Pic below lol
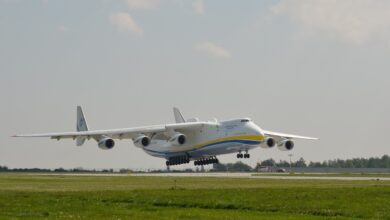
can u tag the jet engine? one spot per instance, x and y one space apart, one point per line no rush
142 141
268 143
286 145
106 143
178 139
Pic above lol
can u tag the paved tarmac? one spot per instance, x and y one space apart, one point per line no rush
263 176
282 176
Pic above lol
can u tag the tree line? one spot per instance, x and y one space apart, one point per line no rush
372 162
58 170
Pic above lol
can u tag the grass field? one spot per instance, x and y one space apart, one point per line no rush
129 197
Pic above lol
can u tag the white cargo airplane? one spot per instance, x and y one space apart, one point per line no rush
184 140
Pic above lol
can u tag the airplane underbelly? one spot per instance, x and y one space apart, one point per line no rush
223 148
217 148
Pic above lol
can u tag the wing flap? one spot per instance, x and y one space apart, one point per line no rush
113 133
123 133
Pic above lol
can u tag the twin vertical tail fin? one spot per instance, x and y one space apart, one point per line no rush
81 125
178 116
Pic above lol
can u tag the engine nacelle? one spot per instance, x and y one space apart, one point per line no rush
268 143
106 143
142 141
178 139
286 145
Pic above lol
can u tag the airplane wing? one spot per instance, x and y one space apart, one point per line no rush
279 136
123 133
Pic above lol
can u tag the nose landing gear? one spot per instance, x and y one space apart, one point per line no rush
246 155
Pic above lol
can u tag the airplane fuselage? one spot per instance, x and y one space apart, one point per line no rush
214 138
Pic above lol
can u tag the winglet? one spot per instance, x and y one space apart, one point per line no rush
178 116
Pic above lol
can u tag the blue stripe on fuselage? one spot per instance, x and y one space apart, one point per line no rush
249 142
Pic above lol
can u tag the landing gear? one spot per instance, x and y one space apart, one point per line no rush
177 160
239 155
246 155
205 161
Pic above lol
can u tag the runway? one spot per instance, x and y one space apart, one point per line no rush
281 176
263 176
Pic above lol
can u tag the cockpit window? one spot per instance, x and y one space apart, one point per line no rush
245 120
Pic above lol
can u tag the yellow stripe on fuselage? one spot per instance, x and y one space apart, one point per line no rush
243 137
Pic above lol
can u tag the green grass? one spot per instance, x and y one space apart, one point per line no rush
129 197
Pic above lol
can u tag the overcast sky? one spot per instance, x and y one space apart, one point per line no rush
309 67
